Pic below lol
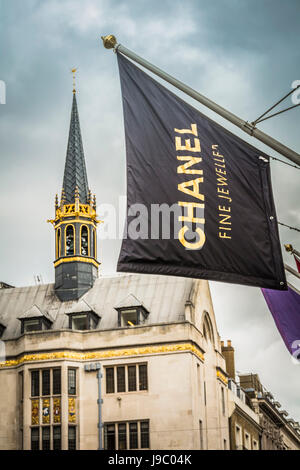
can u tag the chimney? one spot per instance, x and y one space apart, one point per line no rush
228 353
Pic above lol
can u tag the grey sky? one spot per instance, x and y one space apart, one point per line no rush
242 54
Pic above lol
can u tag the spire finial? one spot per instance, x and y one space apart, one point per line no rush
74 70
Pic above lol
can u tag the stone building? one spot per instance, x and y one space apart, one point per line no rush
255 419
278 432
164 382
244 426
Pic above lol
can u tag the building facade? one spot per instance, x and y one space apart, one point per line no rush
278 432
255 419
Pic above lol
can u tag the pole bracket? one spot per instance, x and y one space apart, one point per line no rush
249 127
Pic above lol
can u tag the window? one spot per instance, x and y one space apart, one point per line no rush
208 329
247 441
198 376
201 434
58 240
72 381
143 377
46 374
121 379
46 382
56 382
46 409
46 438
32 325
131 372
94 243
131 316
80 322
122 436
84 241
83 321
35 383
35 438
131 378
225 444
223 400
56 438
238 441
132 435
21 386
110 437
145 435
72 438
255 445
70 240
110 383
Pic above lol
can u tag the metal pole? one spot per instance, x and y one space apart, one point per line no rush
291 270
99 376
110 42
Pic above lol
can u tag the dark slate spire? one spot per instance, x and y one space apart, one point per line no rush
75 170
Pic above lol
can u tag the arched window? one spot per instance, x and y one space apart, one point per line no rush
70 242
207 329
84 241
94 243
58 240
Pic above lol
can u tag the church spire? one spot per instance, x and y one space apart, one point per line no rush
75 169
75 223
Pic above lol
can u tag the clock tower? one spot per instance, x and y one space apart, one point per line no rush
75 223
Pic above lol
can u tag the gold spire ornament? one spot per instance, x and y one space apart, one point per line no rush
74 77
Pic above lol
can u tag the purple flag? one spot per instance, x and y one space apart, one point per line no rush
285 309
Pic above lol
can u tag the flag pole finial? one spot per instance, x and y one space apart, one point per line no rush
109 41
288 247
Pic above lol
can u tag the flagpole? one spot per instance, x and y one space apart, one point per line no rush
291 270
110 42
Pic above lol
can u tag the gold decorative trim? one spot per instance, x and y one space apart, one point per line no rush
76 220
69 259
74 210
109 354
222 377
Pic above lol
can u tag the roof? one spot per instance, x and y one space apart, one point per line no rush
130 301
75 170
34 312
80 307
164 296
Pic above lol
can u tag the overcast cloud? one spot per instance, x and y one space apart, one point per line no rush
243 54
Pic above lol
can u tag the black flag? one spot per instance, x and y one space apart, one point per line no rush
199 199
